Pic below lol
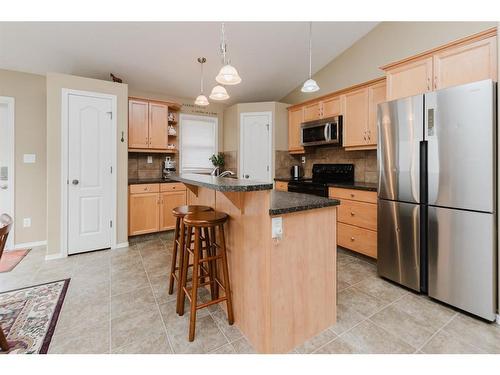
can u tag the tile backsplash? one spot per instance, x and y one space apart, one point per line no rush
138 167
365 162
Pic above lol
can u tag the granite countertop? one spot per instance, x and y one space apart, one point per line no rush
224 184
283 202
356 185
138 181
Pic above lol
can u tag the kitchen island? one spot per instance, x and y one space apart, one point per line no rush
284 289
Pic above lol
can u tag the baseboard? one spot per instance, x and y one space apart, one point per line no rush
29 244
55 256
121 245
498 319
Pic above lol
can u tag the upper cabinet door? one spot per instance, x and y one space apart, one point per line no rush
466 63
312 112
295 118
356 118
158 125
408 79
376 95
138 120
331 107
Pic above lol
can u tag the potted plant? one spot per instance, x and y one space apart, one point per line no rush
218 162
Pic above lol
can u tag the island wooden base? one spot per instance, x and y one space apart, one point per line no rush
284 291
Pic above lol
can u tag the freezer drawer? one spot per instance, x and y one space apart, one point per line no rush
398 242
400 131
462 261
460 132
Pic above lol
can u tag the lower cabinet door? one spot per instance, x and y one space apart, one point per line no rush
168 201
143 213
357 239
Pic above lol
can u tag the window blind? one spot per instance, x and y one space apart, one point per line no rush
198 143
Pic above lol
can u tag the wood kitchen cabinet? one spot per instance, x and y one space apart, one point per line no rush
281 185
295 118
312 112
470 59
355 122
331 107
376 95
150 206
138 123
158 125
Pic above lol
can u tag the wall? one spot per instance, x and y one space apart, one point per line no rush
232 129
387 42
29 92
138 167
55 83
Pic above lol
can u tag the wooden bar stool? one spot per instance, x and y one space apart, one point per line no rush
179 241
205 226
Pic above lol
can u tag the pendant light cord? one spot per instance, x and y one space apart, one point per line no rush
310 50
201 80
223 48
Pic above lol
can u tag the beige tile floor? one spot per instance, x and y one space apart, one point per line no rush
117 302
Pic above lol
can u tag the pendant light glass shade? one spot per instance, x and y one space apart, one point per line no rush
310 85
201 100
228 75
219 93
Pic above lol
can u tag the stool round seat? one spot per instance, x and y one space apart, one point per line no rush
184 210
205 219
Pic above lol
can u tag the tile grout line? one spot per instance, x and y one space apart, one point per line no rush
435 333
156 300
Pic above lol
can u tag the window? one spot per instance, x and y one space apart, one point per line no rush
198 143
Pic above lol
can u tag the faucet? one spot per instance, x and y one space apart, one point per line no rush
215 171
227 173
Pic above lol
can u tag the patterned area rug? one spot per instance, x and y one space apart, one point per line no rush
11 258
28 316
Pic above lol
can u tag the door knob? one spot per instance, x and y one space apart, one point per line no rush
247 176
75 182
4 187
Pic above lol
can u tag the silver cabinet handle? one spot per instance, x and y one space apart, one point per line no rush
4 187
75 182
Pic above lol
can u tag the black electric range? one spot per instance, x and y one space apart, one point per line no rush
322 175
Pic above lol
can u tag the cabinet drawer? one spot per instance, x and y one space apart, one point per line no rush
357 239
281 185
172 186
144 188
353 194
361 214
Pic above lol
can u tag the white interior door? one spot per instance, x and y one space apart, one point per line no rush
7 162
256 146
89 173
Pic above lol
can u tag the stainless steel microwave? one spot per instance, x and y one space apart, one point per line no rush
322 132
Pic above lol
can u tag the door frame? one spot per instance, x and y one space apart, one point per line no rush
270 143
11 103
65 93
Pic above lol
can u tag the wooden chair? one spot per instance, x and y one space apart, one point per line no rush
5 225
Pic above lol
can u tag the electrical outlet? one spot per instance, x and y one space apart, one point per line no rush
303 159
27 222
150 160
277 227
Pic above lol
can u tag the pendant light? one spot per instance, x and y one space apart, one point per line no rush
201 99
228 75
219 93
310 85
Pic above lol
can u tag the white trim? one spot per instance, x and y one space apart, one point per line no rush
11 104
270 143
56 256
497 321
30 244
185 116
64 164
120 245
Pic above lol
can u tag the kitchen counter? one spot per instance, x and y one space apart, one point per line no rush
138 181
283 202
224 184
356 185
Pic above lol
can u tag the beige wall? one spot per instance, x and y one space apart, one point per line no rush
213 109
388 42
232 126
55 83
29 93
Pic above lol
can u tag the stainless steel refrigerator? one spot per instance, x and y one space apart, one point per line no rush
437 195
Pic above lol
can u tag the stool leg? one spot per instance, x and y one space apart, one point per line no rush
225 272
174 258
194 290
185 263
209 253
213 240
182 244
4 345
